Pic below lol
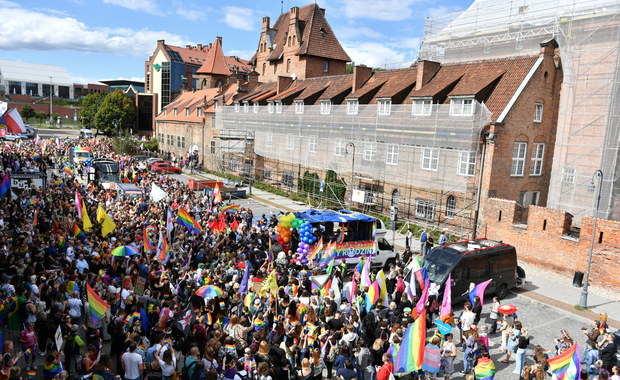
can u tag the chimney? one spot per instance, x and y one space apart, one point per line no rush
199 46
322 11
360 75
265 24
283 83
424 73
161 42
219 39
294 15
252 81
548 47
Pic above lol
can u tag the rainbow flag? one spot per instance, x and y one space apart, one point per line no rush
230 348
259 323
411 352
222 304
67 170
566 365
231 209
77 233
31 373
372 295
217 194
317 248
35 219
162 249
186 219
148 247
6 184
485 369
382 287
249 298
96 305
32 201
51 369
209 319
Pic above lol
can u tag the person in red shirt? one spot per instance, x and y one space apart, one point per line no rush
386 369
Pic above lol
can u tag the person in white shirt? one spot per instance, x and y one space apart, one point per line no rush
167 362
81 263
132 363
467 319
75 307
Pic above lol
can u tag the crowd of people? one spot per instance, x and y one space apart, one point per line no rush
271 321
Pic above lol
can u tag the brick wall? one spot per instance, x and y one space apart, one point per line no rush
543 241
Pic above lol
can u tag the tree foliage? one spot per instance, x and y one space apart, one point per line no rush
335 187
310 183
40 116
124 144
117 112
27 112
152 145
90 106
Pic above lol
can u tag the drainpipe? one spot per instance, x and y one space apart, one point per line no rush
484 136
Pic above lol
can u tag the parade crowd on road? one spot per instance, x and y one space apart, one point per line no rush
215 295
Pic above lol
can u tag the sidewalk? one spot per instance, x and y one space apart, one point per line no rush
543 286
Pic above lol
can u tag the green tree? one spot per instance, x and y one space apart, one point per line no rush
90 106
117 112
124 144
40 116
310 183
335 187
55 117
152 145
27 112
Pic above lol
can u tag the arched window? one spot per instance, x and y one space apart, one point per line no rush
288 65
450 207
294 40
395 197
289 41
264 68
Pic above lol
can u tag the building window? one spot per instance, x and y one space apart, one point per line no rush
341 148
165 112
430 159
538 112
425 210
269 140
395 197
278 107
450 207
215 104
246 107
568 175
299 107
461 106
391 155
267 173
264 68
326 107
186 111
352 106
212 146
535 198
312 144
176 112
288 178
467 163
199 111
325 66
385 106
518 159
270 107
537 159
422 107
290 141
255 107
288 65
370 150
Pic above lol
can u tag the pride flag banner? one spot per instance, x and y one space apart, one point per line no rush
485 369
96 305
231 209
77 233
411 352
148 247
567 365
186 219
6 184
478 291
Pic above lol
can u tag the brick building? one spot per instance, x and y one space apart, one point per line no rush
301 44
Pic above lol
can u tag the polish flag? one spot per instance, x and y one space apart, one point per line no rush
13 121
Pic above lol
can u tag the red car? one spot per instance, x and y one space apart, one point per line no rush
165 167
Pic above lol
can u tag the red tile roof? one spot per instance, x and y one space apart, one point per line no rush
387 84
193 100
216 61
260 92
191 55
317 37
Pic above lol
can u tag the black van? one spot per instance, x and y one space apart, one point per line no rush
475 261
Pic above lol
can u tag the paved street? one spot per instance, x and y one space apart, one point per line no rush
53 133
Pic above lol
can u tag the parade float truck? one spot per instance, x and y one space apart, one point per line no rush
79 154
356 235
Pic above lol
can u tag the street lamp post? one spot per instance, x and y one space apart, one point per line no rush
51 100
583 302
346 149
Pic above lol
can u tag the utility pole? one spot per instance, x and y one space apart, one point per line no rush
51 100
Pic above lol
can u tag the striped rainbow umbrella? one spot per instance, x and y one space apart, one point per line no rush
124 250
209 291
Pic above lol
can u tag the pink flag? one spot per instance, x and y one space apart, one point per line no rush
352 291
478 291
78 203
446 304
421 305
365 280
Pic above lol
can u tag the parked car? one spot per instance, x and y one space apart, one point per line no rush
151 161
86 133
165 167
13 137
139 158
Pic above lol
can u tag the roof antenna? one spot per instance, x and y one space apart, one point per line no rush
281 6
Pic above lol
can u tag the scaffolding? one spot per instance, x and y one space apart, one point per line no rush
588 33
425 158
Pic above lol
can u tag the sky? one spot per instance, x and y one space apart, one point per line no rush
111 39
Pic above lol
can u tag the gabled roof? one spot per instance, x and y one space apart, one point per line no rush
193 100
387 84
192 55
340 85
317 37
216 61
473 77
259 92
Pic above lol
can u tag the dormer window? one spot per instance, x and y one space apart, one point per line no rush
325 66
270 107
299 107
326 107
198 111
352 106
279 106
176 112
186 111
237 107
422 107
246 107
462 106
385 106
215 104
165 112
255 107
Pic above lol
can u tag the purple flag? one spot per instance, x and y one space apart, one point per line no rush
446 304
478 291
243 287
421 305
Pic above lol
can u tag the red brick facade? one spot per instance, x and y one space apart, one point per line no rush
544 240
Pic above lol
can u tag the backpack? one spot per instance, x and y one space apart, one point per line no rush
434 306
246 376
332 354
185 370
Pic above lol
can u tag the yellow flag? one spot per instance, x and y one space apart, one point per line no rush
86 224
270 284
107 224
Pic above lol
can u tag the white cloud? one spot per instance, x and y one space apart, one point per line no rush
24 29
148 6
352 32
192 14
243 54
376 54
240 18
441 10
387 10
406 43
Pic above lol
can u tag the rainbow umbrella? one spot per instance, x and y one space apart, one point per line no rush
209 291
124 250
